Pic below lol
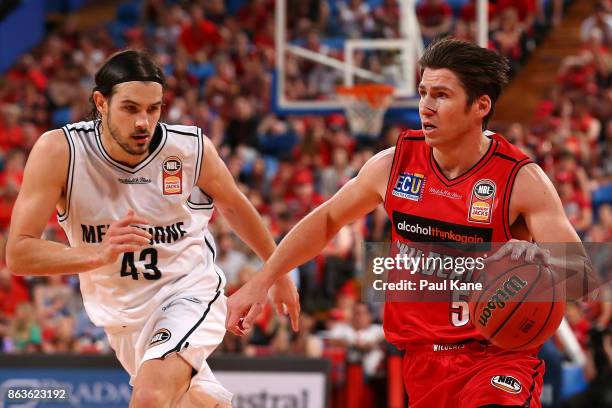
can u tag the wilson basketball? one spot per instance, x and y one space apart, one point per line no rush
519 307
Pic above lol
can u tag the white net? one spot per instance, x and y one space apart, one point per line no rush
365 107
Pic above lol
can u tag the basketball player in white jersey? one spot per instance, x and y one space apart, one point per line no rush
122 186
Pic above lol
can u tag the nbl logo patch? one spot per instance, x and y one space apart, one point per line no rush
159 337
506 383
481 201
409 186
172 175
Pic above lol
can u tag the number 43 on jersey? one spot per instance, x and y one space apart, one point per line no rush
149 256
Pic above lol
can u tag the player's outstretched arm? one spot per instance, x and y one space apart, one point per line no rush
42 189
536 200
355 199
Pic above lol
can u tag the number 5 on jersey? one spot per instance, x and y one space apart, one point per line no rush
149 255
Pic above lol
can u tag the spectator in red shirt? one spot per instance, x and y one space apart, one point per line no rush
254 14
578 322
12 174
222 88
28 70
435 19
241 52
576 206
585 129
10 182
466 26
13 291
6 207
281 190
199 33
304 198
526 10
468 12
11 134
264 38
507 40
568 169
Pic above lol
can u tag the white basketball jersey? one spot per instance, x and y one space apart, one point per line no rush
162 189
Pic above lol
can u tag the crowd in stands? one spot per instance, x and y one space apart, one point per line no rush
218 67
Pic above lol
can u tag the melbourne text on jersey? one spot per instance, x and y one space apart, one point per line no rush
165 234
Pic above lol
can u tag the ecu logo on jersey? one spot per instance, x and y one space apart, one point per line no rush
481 201
409 186
172 176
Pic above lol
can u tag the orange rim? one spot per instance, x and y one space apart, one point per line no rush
374 94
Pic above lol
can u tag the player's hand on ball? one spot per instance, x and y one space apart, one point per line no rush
285 297
531 252
122 236
245 305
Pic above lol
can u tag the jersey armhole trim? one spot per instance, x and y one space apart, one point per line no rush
69 175
201 206
178 132
200 157
508 194
505 157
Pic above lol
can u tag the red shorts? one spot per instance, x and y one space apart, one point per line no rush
471 375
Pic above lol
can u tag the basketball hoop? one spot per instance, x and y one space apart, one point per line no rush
365 106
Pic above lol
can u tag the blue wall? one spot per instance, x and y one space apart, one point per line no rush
24 27
20 31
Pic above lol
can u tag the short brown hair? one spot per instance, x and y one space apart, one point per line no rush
480 71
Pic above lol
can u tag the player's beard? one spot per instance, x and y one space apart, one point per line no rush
115 134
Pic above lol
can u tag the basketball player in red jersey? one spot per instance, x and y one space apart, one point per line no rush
428 180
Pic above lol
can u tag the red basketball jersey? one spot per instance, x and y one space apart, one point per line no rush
425 206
